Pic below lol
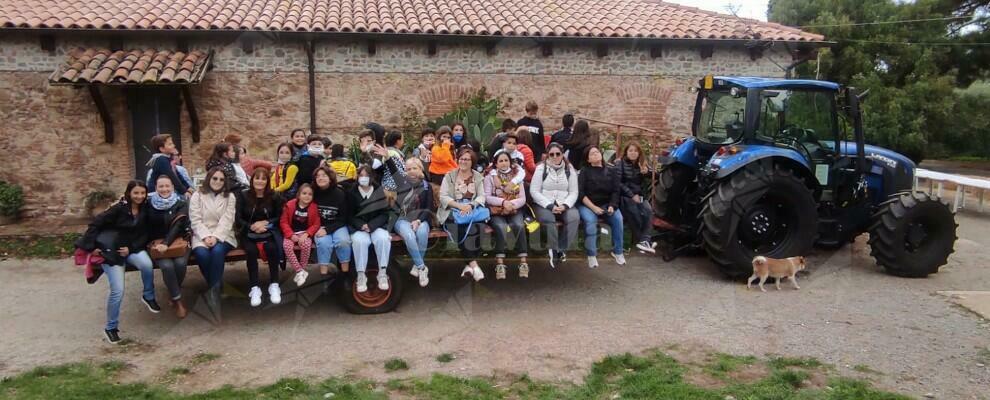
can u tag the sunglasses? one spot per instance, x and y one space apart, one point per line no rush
217 178
554 154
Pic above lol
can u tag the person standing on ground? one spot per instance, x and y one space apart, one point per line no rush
162 163
532 120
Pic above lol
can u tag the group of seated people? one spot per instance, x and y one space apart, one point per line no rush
314 196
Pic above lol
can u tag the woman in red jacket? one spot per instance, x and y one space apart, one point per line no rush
300 221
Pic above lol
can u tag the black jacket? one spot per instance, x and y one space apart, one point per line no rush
160 224
251 212
133 230
599 185
562 136
373 211
162 165
538 146
413 202
334 206
307 165
631 179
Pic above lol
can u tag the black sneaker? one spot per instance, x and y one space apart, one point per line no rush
152 305
561 257
552 259
112 335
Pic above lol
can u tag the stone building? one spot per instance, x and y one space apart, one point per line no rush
83 85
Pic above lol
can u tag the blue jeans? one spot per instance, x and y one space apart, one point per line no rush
590 220
416 242
211 261
339 240
115 277
361 240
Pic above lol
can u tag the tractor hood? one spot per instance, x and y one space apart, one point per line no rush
887 168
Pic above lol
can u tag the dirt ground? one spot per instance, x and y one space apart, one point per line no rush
552 326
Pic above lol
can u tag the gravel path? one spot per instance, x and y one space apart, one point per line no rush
552 326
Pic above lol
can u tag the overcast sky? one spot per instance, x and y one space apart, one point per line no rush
756 9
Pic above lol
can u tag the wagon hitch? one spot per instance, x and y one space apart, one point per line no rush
674 241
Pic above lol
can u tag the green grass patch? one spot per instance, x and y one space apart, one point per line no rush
445 358
983 356
654 375
396 364
723 364
203 358
800 362
50 247
179 371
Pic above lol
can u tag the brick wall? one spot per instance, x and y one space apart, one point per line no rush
51 140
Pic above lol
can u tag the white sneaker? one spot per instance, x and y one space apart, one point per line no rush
500 271
300 277
524 270
275 293
478 273
414 271
382 280
592 262
362 282
619 258
424 276
255 296
645 246
467 271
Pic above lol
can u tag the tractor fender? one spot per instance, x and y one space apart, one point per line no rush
725 165
683 153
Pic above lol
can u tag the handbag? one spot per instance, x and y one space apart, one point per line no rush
255 236
531 223
477 214
178 248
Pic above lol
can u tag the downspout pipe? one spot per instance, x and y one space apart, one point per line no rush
312 87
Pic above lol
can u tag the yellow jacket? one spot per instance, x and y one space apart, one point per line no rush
344 168
283 177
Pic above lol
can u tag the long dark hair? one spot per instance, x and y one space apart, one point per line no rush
513 167
587 153
251 194
625 155
126 198
371 174
205 187
582 135
220 153
330 174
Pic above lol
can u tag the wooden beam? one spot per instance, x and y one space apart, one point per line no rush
601 50
490 47
546 49
101 106
706 51
116 43
656 51
755 53
431 48
247 43
372 47
191 109
47 43
182 44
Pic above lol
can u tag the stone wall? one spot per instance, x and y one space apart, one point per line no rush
52 138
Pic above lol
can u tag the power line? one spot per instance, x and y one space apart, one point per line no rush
977 44
906 21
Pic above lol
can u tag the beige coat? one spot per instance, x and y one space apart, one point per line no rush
449 191
212 215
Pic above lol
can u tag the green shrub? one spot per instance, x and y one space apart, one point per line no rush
11 199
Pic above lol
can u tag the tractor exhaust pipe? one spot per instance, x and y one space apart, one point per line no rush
853 103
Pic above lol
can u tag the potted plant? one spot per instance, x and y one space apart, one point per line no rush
98 201
11 201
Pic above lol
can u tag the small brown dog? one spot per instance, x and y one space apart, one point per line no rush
764 267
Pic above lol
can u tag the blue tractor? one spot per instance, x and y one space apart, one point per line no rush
769 171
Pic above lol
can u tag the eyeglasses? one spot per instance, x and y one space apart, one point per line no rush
554 154
217 178
465 159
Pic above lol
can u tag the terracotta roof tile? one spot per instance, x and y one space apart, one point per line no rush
133 67
587 18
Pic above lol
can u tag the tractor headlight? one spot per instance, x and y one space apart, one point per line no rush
736 92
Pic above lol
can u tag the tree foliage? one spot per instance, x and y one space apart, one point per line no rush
913 69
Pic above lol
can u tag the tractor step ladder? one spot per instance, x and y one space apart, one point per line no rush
937 179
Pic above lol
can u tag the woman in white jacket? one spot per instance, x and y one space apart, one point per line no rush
554 190
211 215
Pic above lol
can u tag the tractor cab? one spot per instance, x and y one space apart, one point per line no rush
768 171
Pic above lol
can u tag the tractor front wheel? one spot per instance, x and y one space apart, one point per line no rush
912 235
764 209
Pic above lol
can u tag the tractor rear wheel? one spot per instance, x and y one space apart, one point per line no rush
912 235
764 209
670 193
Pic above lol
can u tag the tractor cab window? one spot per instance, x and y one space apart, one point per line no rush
722 117
798 118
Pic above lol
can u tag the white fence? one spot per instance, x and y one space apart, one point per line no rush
937 179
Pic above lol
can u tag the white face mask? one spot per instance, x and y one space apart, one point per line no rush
364 180
505 170
316 150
